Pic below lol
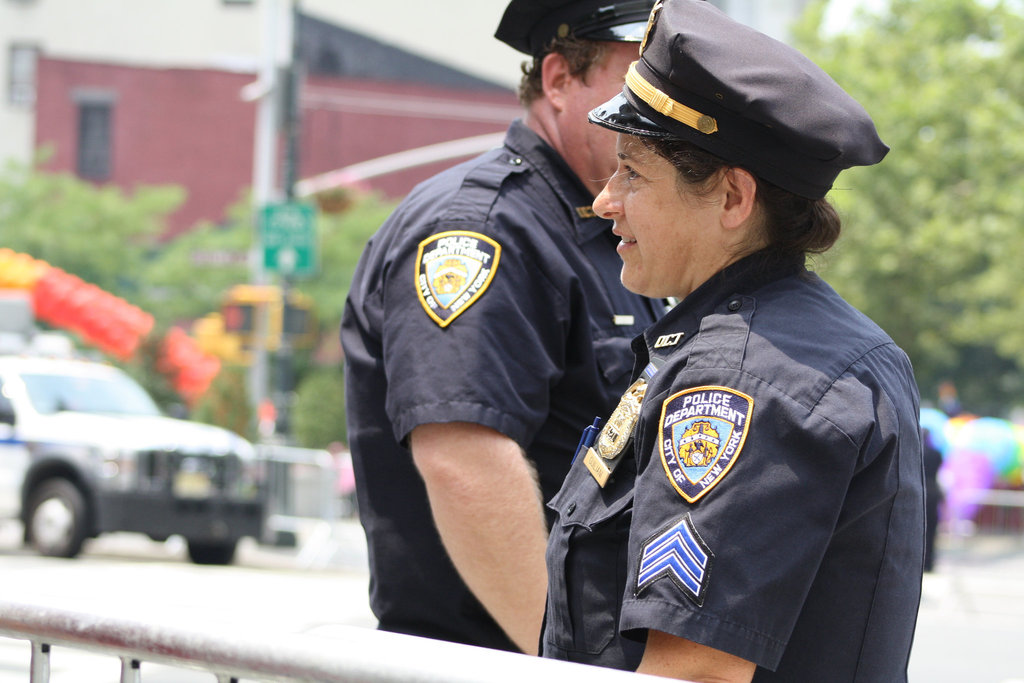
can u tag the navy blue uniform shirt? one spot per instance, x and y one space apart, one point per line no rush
490 296
768 499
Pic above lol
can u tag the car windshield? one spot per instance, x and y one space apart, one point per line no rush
114 393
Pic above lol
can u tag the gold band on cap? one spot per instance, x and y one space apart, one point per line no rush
666 106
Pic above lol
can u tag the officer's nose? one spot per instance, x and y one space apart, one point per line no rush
604 205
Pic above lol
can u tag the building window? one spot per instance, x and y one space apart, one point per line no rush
95 139
21 74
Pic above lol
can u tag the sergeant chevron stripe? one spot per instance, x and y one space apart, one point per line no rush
680 554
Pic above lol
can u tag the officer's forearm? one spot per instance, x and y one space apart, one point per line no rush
673 657
487 507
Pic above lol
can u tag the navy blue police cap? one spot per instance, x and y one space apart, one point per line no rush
743 96
530 25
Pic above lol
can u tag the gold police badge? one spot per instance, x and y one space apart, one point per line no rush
453 269
604 456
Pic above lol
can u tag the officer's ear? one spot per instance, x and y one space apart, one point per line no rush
556 77
739 192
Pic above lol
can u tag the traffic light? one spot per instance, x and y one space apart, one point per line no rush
299 322
241 310
212 336
293 318
239 317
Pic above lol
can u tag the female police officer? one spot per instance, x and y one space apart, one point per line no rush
753 508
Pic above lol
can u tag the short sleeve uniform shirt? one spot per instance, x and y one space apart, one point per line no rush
490 296
767 497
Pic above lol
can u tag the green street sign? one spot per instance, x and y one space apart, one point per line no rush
288 234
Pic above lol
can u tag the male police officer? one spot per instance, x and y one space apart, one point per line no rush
484 323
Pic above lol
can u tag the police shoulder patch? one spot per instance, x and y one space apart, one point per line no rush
453 269
679 553
702 433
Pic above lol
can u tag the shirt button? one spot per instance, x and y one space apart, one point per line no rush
570 509
517 161
735 305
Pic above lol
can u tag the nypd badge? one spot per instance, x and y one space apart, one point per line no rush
702 433
606 453
603 458
452 270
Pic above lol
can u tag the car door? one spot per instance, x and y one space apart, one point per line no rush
14 458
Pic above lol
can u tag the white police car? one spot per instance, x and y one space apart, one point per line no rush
84 450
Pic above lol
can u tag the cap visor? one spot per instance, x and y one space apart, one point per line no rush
631 32
619 115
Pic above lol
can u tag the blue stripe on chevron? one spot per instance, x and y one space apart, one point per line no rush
678 553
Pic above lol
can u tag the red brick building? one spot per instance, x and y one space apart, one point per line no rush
135 125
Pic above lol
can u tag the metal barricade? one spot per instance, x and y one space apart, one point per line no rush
302 503
355 654
301 482
1000 512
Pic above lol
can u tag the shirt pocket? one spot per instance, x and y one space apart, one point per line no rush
586 560
614 357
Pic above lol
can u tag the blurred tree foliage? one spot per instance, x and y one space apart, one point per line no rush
186 278
226 403
100 234
933 246
143 367
189 277
319 409
342 238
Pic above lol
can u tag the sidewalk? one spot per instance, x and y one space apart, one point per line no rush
971 623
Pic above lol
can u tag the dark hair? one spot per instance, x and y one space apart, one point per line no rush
581 55
791 224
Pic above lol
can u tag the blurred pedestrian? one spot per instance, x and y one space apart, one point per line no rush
754 507
485 321
949 401
345 483
933 494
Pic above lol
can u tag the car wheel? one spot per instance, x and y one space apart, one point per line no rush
211 552
55 524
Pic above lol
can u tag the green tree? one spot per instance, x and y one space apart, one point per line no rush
226 403
185 281
98 233
188 277
343 237
177 289
143 367
932 241
318 415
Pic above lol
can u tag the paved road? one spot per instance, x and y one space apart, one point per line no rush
971 623
971 627
313 590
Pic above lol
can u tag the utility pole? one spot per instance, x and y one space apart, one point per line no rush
290 175
276 30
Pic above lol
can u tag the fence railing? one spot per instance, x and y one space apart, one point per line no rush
303 501
985 513
350 654
301 482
